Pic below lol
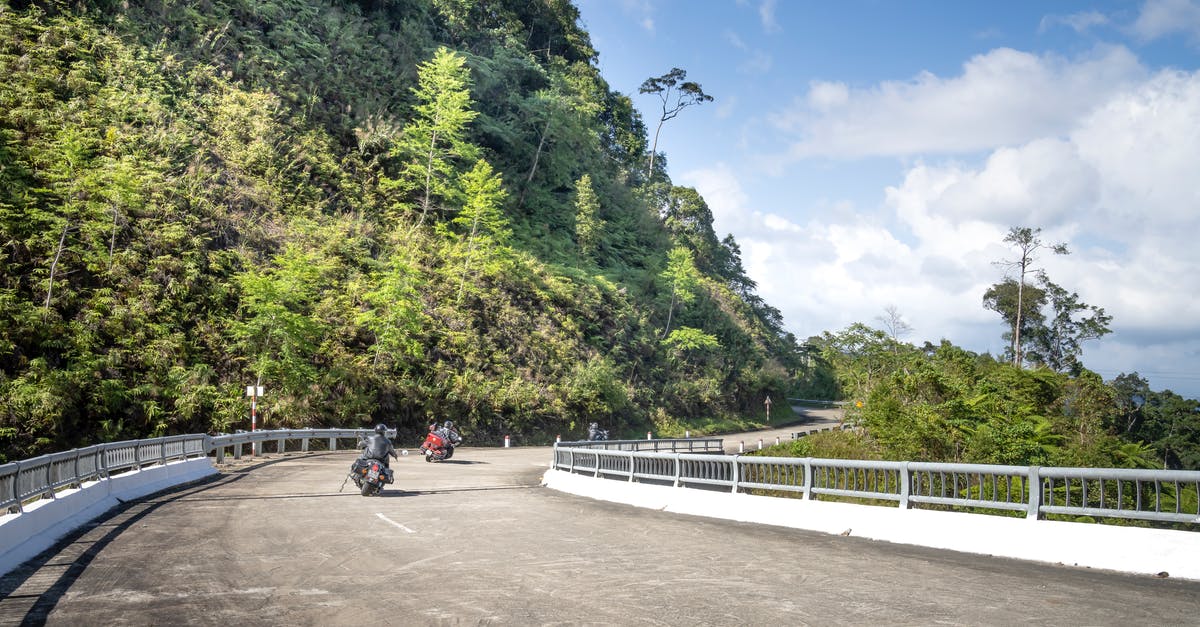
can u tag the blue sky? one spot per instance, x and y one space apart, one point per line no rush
868 154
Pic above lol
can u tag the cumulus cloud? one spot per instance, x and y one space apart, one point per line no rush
1163 18
1120 187
1002 97
1103 158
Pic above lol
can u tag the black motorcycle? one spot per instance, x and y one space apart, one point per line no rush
370 475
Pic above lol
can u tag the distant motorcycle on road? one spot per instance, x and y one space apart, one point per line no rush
595 433
440 442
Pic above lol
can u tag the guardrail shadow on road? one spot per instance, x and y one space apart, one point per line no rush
33 606
263 462
473 489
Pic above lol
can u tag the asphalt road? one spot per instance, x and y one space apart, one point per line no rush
476 540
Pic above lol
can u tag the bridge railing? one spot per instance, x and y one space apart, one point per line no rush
674 445
41 477
1157 495
237 441
27 479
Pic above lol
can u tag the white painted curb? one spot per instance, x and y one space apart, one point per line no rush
44 522
1123 549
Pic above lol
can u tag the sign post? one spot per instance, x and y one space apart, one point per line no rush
254 391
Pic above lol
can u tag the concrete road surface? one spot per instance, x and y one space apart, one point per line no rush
476 540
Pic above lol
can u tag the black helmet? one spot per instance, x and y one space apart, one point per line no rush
448 424
381 429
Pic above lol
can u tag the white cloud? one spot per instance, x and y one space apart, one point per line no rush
826 96
725 197
756 61
1110 167
1162 18
1078 22
726 107
766 13
1120 188
759 62
641 12
1002 97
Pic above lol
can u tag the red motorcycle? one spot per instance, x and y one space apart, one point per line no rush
439 446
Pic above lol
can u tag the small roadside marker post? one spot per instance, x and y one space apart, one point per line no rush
254 391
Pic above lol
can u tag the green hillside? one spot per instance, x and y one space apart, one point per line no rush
392 211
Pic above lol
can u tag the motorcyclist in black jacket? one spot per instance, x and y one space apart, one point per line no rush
378 446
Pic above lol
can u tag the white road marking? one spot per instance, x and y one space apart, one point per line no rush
394 523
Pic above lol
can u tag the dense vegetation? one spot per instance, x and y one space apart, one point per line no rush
393 211
943 403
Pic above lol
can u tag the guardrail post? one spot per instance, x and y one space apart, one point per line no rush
905 484
734 462
304 443
333 444
678 469
17 487
808 479
630 466
1035 493
280 445
237 450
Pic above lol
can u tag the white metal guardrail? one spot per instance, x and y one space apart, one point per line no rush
24 480
674 445
238 441
41 477
1156 495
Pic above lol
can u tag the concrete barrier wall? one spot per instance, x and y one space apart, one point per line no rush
44 522
1124 549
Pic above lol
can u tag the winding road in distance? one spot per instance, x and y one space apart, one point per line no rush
476 540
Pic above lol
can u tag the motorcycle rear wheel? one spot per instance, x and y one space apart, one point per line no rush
368 489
